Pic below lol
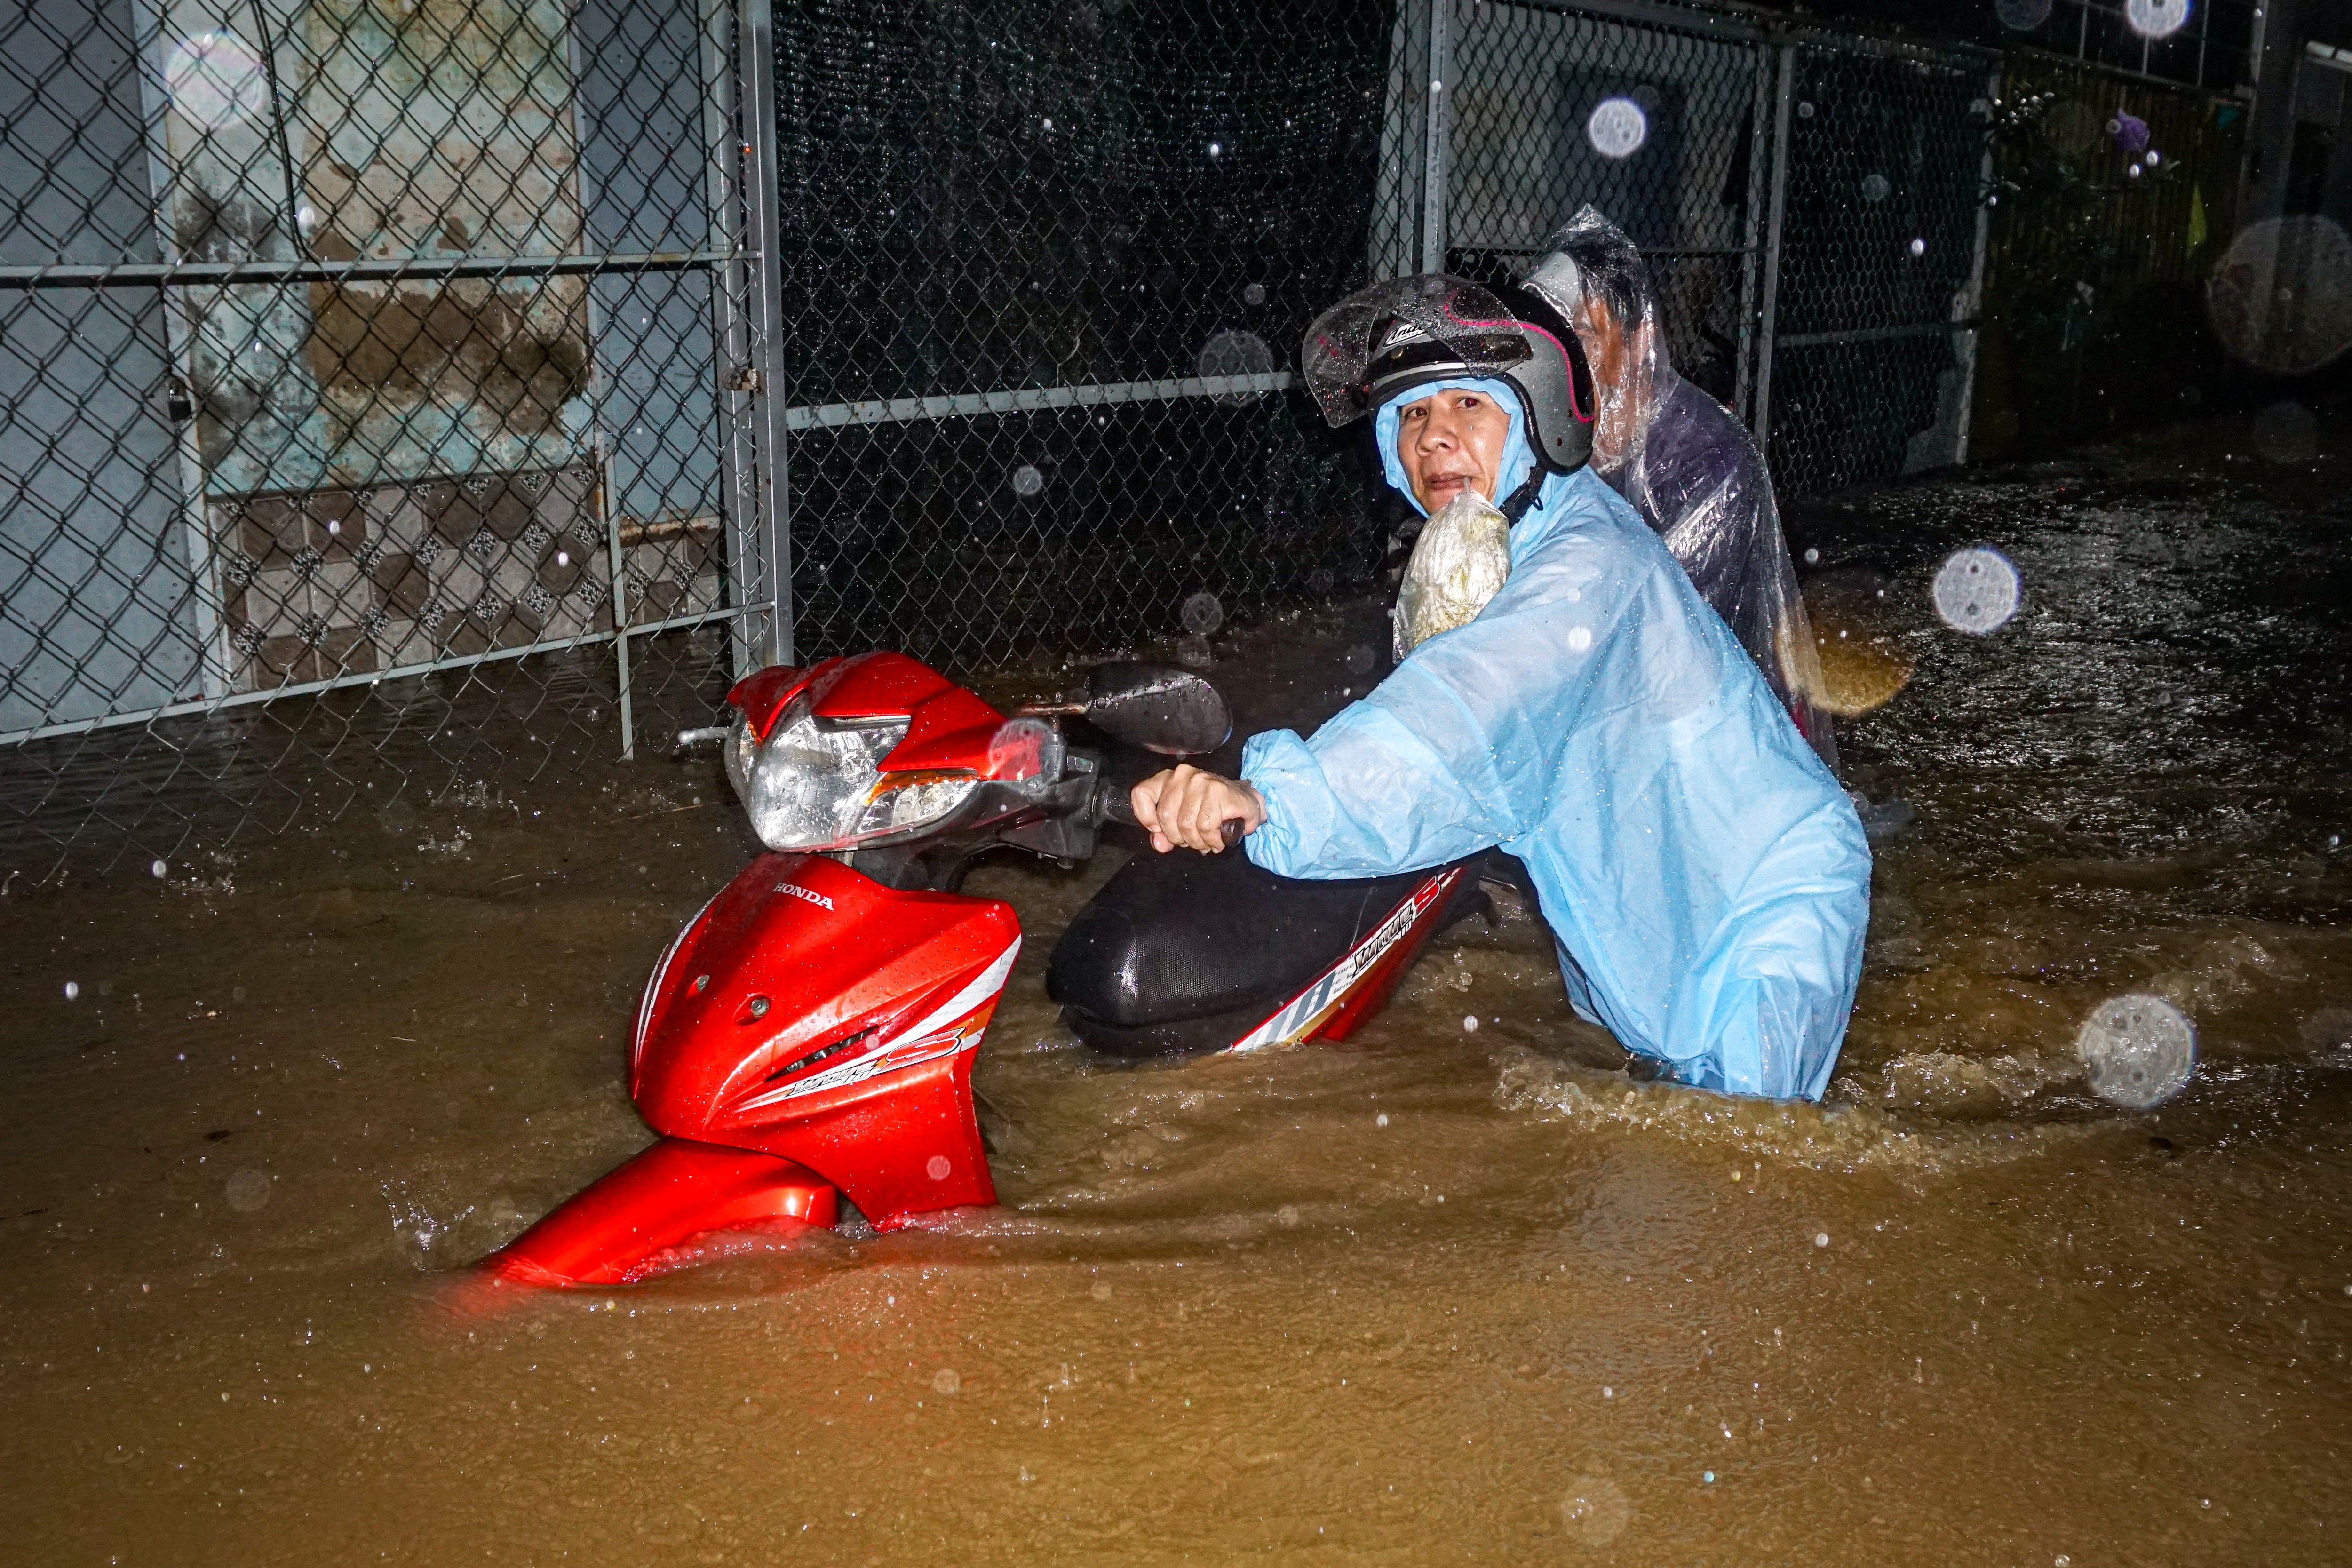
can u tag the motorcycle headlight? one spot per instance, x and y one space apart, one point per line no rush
818 786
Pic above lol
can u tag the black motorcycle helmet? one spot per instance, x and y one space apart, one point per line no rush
1409 331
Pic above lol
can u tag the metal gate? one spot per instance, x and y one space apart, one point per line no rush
1810 203
385 354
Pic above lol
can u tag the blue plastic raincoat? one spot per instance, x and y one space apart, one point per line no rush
1706 878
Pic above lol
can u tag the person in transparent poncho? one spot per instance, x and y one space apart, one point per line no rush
1705 879
1688 467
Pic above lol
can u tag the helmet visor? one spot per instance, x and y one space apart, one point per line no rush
1378 341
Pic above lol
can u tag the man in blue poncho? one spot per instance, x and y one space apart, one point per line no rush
1704 876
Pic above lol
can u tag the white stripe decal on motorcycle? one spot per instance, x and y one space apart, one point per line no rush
1308 1009
979 993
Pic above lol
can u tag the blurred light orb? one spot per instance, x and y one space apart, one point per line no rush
156 868
1027 481
1234 353
1254 295
1202 614
1976 590
1359 659
1918 247
2140 1051
1805 110
2156 18
1596 1509
73 989
216 80
1874 187
2153 158
2287 432
249 1190
1194 652
2130 132
1617 127
2022 16
2279 299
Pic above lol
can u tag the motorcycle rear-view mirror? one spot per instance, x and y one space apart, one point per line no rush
1156 706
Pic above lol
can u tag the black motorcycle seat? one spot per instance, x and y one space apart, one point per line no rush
1180 937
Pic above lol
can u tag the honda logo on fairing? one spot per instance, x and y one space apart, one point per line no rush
796 891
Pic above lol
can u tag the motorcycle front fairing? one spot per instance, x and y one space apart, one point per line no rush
810 1030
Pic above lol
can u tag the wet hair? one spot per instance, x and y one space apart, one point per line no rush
1608 262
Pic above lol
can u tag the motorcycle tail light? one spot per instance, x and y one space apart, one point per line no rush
815 785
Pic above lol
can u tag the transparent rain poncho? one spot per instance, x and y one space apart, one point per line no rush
1685 464
1706 879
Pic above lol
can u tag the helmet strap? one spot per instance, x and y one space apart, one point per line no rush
1515 506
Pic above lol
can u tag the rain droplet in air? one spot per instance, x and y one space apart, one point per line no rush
1805 110
1359 659
2286 432
1595 1509
1381 1120
73 989
1202 614
249 1190
1470 1024
2139 1051
1874 187
1918 247
945 1381
1821 1238
1193 651
2281 296
2022 16
1975 590
1027 481
1254 295
157 868
2156 18
1617 128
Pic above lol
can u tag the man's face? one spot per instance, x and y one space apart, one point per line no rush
1604 346
1450 440
1609 350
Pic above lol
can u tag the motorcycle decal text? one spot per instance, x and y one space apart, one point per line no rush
796 891
1312 1005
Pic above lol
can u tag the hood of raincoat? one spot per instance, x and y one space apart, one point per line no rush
1518 457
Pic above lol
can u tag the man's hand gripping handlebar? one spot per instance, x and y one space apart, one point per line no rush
1186 807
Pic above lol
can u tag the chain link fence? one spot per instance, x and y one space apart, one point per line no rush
406 395
1880 217
365 366
1046 268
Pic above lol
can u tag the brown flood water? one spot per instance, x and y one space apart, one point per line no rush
1435 1296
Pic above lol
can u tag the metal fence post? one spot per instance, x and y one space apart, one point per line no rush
1434 136
1773 214
1744 371
767 308
1969 306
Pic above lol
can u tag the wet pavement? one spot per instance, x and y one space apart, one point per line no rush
1439 1295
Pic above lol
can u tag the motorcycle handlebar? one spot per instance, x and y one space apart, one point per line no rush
1117 807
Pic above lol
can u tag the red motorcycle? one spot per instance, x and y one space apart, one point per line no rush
810 1034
